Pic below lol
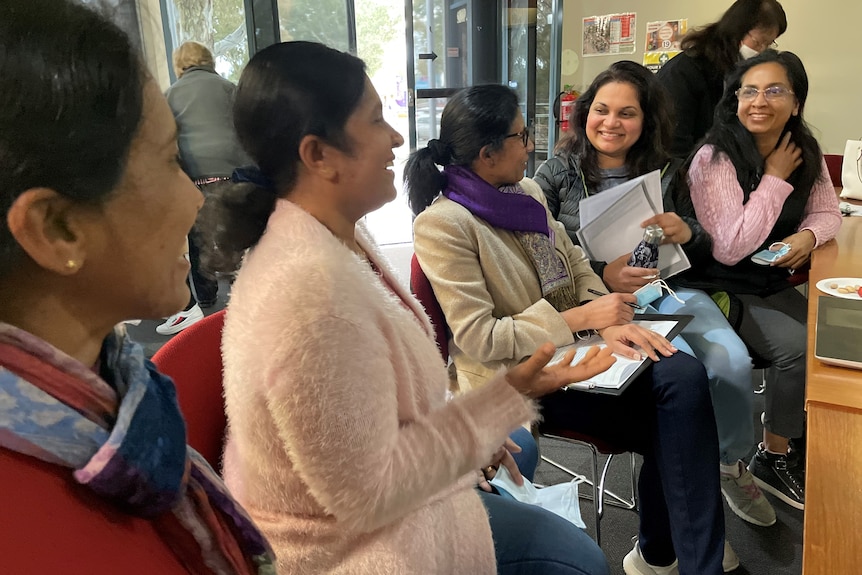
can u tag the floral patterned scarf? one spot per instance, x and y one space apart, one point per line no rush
125 439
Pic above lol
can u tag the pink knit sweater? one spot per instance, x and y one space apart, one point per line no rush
738 229
341 444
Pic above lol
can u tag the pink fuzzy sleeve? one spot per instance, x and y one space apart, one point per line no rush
822 217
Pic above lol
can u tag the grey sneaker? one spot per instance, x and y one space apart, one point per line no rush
746 499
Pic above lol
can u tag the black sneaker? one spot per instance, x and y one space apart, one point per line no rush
780 475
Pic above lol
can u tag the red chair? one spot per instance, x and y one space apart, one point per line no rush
59 526
421 288
833 164
192 358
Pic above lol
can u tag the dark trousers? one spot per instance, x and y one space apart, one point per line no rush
666 416
204 288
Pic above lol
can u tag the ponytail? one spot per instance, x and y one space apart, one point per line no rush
232 220
423 178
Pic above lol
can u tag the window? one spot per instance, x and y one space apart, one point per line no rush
323 21
217 24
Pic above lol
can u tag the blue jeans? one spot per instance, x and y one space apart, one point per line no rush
728 366
665 415
528 458
529 540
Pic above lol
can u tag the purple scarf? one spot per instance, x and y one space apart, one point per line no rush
516 212
510 208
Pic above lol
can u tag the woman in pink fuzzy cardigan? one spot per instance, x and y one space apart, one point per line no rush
341 443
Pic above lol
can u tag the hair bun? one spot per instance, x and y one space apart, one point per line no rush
440 152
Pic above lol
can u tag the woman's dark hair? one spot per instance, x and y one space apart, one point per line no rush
729 136
287 91
71 101
719 42
651 151
473 118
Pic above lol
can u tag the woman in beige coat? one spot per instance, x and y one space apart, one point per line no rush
508 278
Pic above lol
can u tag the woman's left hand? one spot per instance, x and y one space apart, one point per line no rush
801 244
503 456
676 231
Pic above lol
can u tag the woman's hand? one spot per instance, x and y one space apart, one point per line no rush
801 245
784 159
622 278
676 231
503 456
533 378
622 339
607 310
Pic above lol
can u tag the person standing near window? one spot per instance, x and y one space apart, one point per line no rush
202 103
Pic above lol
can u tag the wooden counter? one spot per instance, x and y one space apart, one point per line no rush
832 540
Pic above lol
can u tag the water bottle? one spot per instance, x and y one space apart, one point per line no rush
646 252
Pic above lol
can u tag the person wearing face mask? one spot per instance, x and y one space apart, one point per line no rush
695 78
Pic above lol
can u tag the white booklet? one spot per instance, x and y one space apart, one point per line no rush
625 370
611 223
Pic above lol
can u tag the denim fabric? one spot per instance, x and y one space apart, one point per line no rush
531 541
710 339
528 458
666 415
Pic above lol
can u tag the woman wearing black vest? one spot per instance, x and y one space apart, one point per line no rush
760 182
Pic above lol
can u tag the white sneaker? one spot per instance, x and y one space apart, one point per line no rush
730 562
635 564
180 321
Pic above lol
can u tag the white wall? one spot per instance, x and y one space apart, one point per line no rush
823 33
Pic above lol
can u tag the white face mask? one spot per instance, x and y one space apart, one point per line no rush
747 52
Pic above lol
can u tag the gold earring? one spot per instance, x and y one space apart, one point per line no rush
71 264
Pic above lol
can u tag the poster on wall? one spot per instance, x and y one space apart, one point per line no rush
662 42
609 34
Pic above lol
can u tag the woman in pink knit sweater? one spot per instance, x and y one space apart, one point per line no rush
760 182
341 443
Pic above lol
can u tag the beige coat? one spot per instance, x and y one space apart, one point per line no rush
489 290
341 445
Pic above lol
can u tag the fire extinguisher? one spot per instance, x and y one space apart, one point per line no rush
567 102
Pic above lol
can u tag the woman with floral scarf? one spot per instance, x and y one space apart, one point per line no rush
95 473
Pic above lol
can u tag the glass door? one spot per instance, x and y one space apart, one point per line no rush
532 43
437 62
220 26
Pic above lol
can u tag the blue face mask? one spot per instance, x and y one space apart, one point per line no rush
651 292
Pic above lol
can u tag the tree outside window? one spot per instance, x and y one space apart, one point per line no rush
217 24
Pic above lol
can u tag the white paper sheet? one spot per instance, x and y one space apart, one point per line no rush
611 223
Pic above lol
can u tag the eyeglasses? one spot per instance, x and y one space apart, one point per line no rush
772 93
523 134
760 44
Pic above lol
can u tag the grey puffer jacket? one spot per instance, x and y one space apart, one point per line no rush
560 180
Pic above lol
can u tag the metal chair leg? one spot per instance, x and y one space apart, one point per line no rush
598 483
